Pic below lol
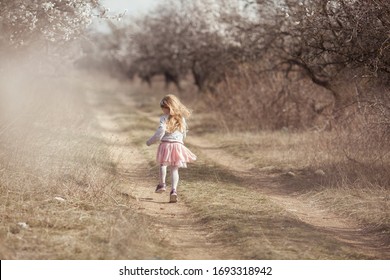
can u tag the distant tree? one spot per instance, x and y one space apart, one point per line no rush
179 38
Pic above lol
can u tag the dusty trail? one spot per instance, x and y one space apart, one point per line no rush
243 168
341 228
175 224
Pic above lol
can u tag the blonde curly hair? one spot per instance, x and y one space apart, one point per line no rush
177 111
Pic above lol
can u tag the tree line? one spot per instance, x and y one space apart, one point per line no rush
281 54
331 43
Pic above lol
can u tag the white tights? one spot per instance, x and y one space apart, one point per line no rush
174 174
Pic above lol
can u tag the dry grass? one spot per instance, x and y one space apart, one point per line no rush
58 182
245 218
266 100
310 165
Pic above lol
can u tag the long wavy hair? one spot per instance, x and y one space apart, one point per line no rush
177 111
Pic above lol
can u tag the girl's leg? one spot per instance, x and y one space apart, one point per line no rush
175 181
175 177
163 174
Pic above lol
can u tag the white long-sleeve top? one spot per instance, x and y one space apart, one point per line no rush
162 135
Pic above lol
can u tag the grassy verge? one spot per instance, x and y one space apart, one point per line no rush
318 173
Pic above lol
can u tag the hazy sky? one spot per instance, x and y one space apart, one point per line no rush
117 7
133 7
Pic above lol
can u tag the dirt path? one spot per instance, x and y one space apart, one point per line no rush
307 213
176 225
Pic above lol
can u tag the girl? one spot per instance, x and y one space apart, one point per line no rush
171 151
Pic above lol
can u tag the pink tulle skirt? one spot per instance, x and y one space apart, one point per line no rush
173 153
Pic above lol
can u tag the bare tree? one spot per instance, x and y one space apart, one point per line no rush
181 38
325 38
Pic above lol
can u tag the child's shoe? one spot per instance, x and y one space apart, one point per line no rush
173 196
160 188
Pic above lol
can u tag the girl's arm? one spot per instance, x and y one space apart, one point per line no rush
159 132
